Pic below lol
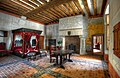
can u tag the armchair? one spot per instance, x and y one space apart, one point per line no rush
3 50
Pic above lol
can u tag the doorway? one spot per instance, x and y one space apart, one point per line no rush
98 44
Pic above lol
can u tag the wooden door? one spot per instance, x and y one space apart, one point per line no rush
41 42
117 40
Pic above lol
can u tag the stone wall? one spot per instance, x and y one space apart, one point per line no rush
77 25
114 19
52 32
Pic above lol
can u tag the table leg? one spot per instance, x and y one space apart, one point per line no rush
60 59
69 58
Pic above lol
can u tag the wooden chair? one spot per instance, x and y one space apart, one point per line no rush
52 56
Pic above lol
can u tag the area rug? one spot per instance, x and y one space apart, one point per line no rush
82 67
17 70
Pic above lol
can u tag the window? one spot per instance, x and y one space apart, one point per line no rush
107 31
117 40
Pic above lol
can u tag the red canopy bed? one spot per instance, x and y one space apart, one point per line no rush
25 41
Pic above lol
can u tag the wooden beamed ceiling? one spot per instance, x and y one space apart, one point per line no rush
50 11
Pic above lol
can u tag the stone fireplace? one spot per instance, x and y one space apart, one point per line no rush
73 43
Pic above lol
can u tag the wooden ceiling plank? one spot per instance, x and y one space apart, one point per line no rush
10 3
49 14
10 10
20 1
48 6
54 16
44 14
53 13
62 11
12 7
95 7
21 4
57 9
87 8
79 6
66 10
104 4
73 7
29 2
70 6
70 10
35 1
39 18
36 18
56 12
43 1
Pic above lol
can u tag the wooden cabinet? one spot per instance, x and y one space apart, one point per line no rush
117 40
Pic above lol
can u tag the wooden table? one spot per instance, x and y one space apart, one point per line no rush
62 53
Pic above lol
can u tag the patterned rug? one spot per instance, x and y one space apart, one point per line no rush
82 67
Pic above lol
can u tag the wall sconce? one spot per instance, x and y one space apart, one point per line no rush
69 33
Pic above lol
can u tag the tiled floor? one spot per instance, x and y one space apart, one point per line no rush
82 67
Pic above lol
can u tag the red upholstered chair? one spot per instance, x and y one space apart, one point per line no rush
3 50
52 56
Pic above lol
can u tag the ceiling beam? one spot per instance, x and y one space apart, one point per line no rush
86 7
43 1
69 9
79 7
48 6
95 7
75 8
103 6
72 7
66 10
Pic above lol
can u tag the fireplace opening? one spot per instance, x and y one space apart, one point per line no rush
73 43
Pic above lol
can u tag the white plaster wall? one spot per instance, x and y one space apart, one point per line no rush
114 19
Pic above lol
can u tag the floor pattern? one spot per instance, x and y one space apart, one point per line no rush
82 67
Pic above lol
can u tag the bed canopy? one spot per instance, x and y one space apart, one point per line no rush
25 41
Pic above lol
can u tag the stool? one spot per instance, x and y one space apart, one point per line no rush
31 56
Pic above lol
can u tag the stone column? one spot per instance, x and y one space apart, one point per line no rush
82 46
